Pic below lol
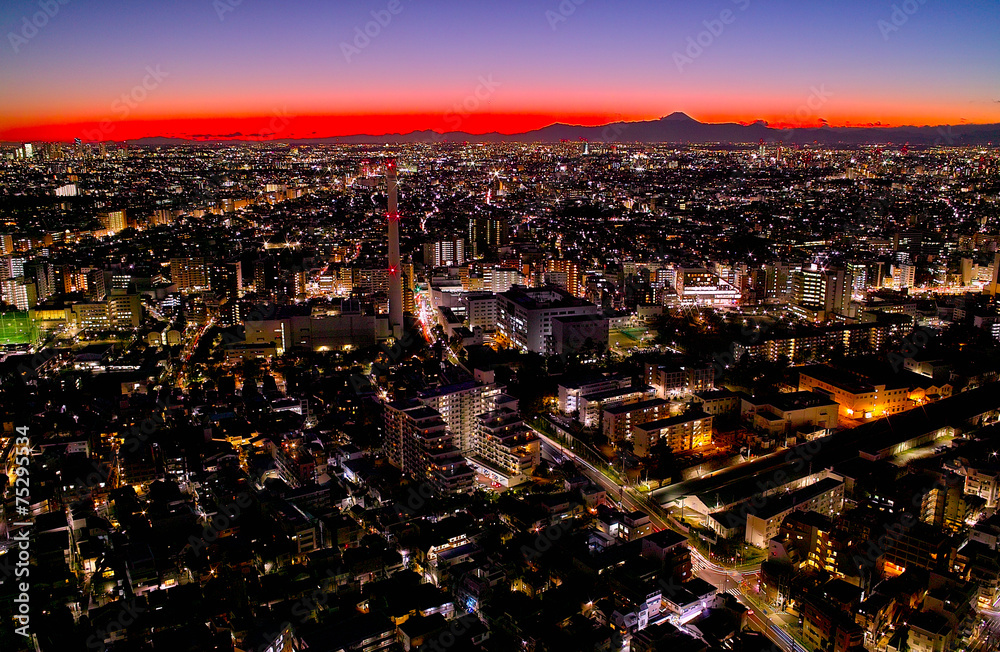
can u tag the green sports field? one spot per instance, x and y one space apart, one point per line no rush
15 328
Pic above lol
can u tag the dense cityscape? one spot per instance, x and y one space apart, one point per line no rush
490 396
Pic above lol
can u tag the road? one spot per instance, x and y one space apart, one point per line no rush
192 345
728 580
774 633
987 635
554 450
734 582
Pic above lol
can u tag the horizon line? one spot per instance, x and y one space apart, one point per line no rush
274 137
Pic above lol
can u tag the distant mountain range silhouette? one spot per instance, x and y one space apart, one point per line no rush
677 128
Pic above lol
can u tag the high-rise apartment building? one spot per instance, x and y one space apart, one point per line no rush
266 276
226 279
409 303
506 450
571 274
488 234
113 221
12 266
370 281
461 404
189 274
698 286
445 253
418 442
20 292
828 290
501 279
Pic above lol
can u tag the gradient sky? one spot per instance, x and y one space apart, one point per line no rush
272 67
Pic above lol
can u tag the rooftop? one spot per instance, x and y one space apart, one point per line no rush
633 407
840 379
547 298
672 421
618 391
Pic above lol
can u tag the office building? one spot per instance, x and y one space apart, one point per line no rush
480 310
580 334
124 309
120 311
321 328
825 497
524 316
786 413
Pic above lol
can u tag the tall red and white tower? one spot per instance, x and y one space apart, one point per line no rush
395 268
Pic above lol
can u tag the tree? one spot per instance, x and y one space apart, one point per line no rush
662 462
250 369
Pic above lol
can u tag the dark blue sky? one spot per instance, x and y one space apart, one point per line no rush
204 65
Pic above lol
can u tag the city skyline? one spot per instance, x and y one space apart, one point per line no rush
534 325
211 70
